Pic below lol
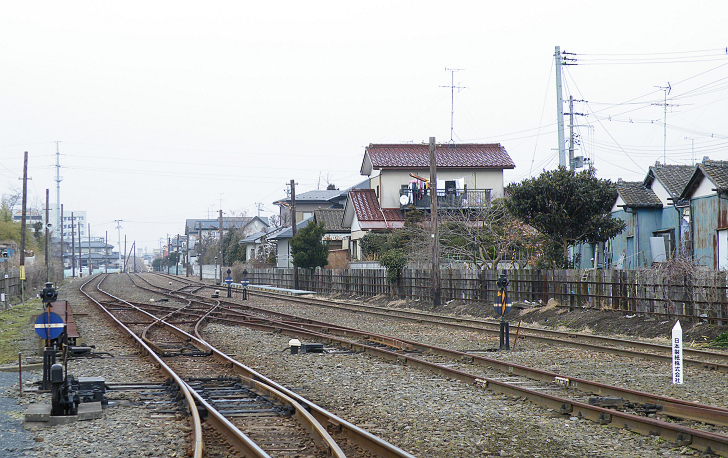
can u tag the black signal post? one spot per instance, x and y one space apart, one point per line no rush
503 306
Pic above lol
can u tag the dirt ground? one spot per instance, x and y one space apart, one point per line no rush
696 332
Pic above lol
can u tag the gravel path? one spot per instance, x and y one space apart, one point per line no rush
14 439
425 414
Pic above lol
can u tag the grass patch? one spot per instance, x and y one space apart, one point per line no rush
14 325
721 341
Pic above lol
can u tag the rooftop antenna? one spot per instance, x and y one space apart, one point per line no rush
452 96
666 90
692 154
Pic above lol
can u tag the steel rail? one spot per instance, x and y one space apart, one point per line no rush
237 438
197 445
676 407
564 338
326 419
678 434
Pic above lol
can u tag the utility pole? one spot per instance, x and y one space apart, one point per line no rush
169 244
47 260
90 266
106 252
58 192
118 229
134 245
293 230
176 263
187 252
220 244
23 224
452 97
125 253
73 247
560 107
199 242
63 248
80 251
436 291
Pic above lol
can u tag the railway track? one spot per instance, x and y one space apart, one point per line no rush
401 351
242 410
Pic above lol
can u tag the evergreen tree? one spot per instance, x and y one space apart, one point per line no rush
308 249
567 207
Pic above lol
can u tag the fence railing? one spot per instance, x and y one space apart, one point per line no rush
702 295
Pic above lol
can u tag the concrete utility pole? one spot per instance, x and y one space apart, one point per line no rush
187 252
58 195
47 260
176 263
199 242
560 107
80 251
106 252
22 227
118 229
293 230
436 291
73 247
90 267
23 211
63 264
220 244
125 255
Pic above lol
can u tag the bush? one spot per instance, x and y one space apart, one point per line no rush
394 260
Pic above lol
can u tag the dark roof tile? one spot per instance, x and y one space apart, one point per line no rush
673 177
467 155
332 219
635 194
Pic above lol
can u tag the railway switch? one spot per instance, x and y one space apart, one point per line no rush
295 345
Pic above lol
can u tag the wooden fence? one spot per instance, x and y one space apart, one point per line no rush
701 294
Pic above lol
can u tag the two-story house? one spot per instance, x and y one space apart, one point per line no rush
468 175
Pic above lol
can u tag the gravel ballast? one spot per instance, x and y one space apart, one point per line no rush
418 411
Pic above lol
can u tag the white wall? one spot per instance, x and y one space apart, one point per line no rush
390 182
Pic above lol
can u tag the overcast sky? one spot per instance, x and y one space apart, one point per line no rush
171 110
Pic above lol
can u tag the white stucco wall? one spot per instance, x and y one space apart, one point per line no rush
390 181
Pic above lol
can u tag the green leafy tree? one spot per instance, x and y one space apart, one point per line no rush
567 207
231 249
394 260
307 247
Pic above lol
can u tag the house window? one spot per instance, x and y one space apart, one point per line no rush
334 244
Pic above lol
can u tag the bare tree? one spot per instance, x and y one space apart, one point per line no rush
487 236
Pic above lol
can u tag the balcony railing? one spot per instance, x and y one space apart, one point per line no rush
450 198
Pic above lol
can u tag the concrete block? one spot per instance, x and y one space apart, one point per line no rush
38 412
90 411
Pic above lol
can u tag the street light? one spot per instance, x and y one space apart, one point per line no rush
216 270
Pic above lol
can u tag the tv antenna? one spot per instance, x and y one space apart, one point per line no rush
666 90
452 96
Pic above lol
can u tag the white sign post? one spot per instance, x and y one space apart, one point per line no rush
677 354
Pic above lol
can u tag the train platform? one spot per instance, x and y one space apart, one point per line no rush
291 292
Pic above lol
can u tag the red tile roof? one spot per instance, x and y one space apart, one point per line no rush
466 155
370 214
